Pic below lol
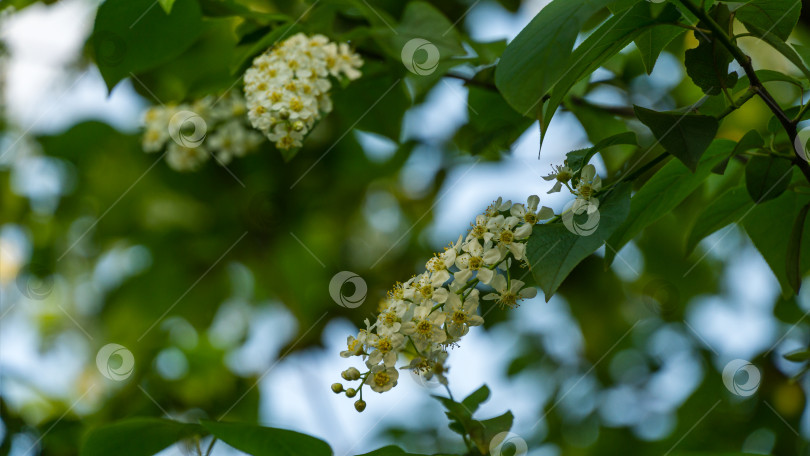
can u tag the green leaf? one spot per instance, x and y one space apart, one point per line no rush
578 158
475 399
707 64
766 227
493 127
778 17
137 437
244 55
767 177
265 441
686 136
665 190
483 434
375 104
422 21
652 41
130 36
554 251
536 59
794 250
751 140
780 45
798 356
728 208
604 43
166 5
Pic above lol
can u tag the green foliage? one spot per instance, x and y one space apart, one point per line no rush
767 177
663 192
554 250
707 64
778 17
462 422
137 437
537 58
728 208
686 136
264 441
130 36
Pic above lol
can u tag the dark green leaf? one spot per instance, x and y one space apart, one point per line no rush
686 136
728 208
536 59
794 250
475 399
483 434
579 158
375 104
751 140
663 192
798 356
245 53
553 250
707 64
493 127
653 40
780 45
766 227
137 437
130 36
778 17
604 43
767 177
265 441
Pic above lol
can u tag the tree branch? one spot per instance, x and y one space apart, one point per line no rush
756 84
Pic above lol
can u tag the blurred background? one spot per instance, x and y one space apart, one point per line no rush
217 281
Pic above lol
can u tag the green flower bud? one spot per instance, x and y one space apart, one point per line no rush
337 388
360 405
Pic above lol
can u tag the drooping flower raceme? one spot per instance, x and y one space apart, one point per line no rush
423 317
287 87
191 132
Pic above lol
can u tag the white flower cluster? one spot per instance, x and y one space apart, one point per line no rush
287 87
192 132
584 188
421 318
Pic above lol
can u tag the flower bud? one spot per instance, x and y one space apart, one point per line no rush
337 388
351 374
298 125
351 392
284 115
360 405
